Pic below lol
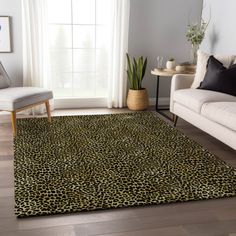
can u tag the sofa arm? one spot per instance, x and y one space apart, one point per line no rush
178 82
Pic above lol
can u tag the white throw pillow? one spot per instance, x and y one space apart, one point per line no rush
202 64
3 82
4 78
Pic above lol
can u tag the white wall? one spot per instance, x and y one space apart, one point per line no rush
158 27
221 34
13 61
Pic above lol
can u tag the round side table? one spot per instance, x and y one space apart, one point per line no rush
165 73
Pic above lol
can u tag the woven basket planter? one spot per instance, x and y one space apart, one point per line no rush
137 100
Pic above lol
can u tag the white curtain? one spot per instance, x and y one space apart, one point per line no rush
35 48
117 79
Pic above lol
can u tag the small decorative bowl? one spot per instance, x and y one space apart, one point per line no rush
180 68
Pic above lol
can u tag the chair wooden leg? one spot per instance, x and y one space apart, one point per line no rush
13 121
48 111
175 120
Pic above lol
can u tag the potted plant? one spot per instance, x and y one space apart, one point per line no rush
195 35
170 64
137 99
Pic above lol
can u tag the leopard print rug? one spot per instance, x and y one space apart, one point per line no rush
83 163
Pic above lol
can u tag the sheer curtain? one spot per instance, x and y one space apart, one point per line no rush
35 49
39 68
117 80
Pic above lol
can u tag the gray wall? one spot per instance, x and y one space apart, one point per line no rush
158 27
221 34
13 61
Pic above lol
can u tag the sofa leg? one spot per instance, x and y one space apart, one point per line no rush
175 120
48 111
13 121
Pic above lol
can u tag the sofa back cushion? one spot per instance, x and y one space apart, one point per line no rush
4 78
202 65
218 78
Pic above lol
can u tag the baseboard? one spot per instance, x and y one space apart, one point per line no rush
74 103
99 102
94 103
164 101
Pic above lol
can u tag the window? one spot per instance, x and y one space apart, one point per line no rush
79 44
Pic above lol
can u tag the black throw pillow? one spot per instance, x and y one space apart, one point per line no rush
218 78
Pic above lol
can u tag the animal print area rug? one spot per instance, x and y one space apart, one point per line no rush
84 163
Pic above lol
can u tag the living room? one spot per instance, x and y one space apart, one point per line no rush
117 117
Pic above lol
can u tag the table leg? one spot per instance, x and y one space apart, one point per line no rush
159 110
157 92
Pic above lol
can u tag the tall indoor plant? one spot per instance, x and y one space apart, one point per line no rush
137 96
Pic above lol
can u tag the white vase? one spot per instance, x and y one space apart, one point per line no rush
170 65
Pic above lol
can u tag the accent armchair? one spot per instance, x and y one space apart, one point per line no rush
15 99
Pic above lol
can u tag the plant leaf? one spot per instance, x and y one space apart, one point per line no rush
140 72
135 81
144 68
130 68
130 79
135 65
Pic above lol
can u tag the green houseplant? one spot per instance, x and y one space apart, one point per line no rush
137 96
195 35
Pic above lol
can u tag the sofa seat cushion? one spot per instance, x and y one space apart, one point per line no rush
223 113
195 98
15 98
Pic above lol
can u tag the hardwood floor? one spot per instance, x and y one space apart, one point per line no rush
200 218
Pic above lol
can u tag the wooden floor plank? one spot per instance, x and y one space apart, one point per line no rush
145 223
170 231
73 219
58 231
212 228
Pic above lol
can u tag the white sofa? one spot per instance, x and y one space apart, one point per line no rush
212 112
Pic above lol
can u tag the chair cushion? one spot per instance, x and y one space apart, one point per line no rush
223 113
195 98
15 98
